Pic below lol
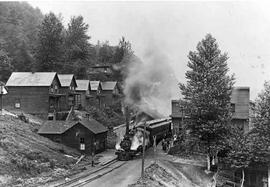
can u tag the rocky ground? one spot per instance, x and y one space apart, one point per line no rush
155 176
180 175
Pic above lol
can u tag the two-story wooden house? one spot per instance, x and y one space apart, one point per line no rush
110 92
95 93
68 87
35 93
83 93
240 106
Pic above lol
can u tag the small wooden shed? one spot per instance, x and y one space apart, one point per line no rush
86 135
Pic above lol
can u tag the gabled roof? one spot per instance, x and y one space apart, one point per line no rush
83 85
66 79
94 85
31 79
55 127
108 85
59 127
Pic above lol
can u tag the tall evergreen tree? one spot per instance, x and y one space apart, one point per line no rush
122 58
49 54
208 91
260 134
77 47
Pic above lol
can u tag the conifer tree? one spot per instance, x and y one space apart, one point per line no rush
208 91
49 54
77 47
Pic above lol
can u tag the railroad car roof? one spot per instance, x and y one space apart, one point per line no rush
31 79
83 85
59 127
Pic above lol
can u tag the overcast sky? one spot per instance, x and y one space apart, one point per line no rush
241 28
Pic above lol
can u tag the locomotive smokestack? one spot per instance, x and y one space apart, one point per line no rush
127 119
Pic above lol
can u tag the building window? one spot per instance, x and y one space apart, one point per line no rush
17 103
70 101
82 144
78 100
81 140
233 107
56 88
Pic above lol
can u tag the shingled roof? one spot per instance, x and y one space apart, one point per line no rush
94 85
31 79
83 85
108 85
65 79
59 127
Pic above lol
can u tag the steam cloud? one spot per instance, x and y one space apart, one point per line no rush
150 84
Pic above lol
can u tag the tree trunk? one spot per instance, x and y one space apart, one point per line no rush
243 178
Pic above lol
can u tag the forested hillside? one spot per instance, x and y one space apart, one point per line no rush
18 36
31 41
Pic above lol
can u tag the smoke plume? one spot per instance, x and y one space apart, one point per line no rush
150 84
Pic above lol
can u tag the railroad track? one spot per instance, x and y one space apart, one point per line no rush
90 176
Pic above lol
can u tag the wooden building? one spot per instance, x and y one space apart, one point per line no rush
83 93
100 72
240 101
110 93
240 106
34 93
86 135
68 88
178 115
95 93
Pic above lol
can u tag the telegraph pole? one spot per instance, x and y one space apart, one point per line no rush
144 131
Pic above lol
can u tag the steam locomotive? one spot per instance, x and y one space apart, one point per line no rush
155 129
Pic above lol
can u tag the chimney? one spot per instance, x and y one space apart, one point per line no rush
127 119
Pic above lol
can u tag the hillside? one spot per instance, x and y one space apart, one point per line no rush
25 154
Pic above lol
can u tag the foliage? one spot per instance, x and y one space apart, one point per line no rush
239 144
208 91
262 104
108 116
105 53
50 44
18 33
5 66
260 134
122 58
77 47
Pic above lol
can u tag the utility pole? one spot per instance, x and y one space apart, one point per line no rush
155 147
144 132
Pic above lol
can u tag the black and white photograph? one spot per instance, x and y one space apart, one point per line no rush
135 93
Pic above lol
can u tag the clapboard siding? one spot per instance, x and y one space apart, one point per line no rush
33 100
240 97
